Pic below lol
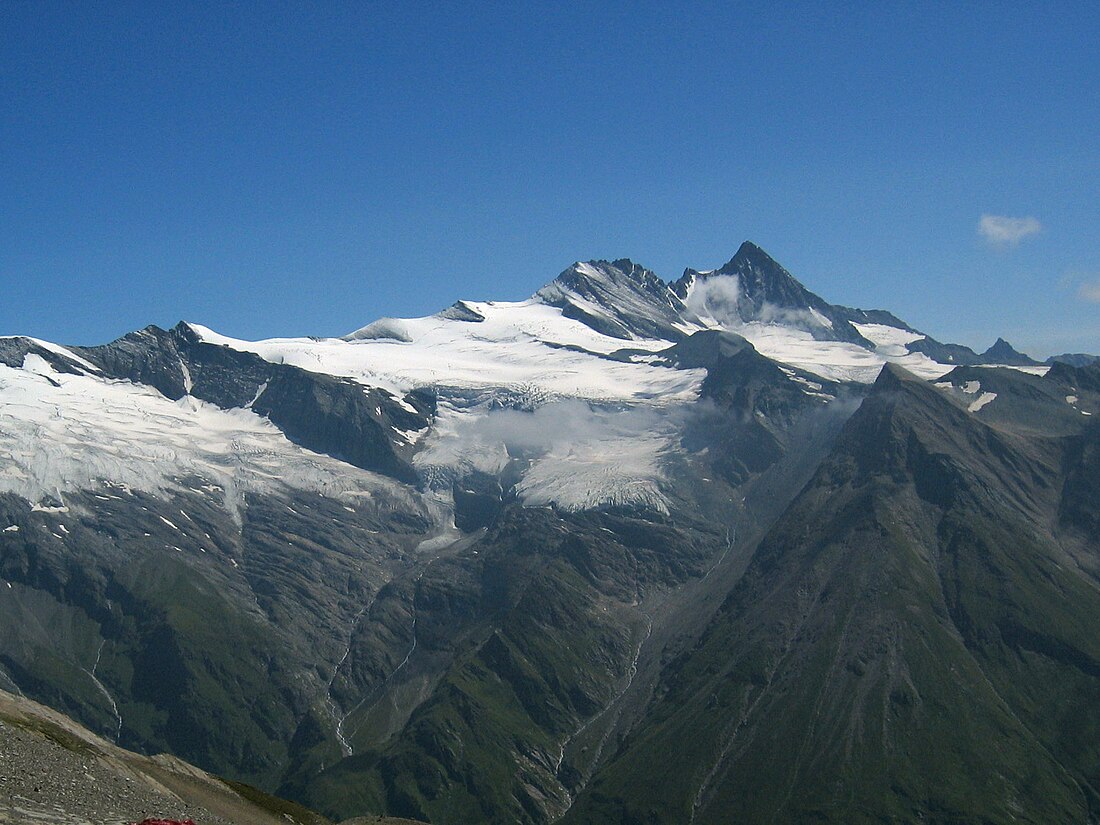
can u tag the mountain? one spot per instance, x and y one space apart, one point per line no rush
498 563
1002 352
620 299
1075 359
752 287
913 640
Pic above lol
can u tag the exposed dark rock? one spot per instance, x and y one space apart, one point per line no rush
461 311
945 353
13 351
1074 359
629 300
1002 352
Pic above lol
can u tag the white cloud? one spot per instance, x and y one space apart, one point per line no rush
1090 292
1004 231
577 455
718 298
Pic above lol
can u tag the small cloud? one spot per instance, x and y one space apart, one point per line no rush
1004 231
1090 292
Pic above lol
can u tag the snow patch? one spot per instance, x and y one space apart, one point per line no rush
1040 370
411 436
821 319
39 507
35 363
889 341
983 399
259 391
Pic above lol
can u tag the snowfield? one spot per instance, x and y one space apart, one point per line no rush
521 345
609 436
60 433
835 360
530 346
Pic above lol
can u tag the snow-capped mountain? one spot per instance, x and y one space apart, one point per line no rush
588 345
476 550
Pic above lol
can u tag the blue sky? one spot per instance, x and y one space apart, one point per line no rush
303 168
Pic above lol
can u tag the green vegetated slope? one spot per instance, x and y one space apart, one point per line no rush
205 638
915 640
552 633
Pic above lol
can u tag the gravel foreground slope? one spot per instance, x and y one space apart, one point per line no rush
54 771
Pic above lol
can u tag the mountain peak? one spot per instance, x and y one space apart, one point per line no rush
618 298
748 251
629 268
589 275
1003 352
767 292
764 282
750 257
893 376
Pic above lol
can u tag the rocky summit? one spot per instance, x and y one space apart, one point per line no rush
629 551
